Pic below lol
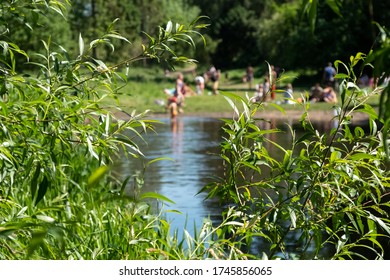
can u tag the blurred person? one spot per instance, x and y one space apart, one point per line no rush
249 76
176 96
214 76
199 85
288 94
328 76
259 94
329 95
316 93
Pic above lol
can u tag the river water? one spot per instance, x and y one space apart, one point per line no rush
192 146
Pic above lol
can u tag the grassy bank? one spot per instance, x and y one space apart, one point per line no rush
144 91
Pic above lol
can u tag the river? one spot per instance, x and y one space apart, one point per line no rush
192 146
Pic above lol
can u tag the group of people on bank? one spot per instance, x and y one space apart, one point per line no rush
327 93
176 96
265 91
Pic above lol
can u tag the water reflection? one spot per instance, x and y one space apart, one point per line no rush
192 144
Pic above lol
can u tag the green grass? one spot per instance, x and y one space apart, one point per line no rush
146 86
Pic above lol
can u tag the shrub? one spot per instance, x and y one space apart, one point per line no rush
58 198
328 196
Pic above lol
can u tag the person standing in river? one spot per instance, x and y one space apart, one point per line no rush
176 97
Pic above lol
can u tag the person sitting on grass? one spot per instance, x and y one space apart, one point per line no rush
199 83
288 94
259 94
329 95
316 93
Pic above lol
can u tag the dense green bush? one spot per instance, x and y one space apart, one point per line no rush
58 196
330 192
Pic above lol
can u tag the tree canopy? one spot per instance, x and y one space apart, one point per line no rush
241 32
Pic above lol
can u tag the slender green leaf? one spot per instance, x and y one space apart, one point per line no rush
43 186
81 45
97 175
156 196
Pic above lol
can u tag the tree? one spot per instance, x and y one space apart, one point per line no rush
275 32
20 19
92 18
57 144
134 17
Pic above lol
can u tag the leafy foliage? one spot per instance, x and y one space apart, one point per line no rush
245 32
60 200
329 191
58 196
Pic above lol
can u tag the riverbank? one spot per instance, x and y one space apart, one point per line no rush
148 94
291 115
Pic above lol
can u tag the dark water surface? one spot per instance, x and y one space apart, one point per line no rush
192 145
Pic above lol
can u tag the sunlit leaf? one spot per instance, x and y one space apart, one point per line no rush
380 222
334 5
81 45
45 218
157 196
168 28
97 175
119 37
